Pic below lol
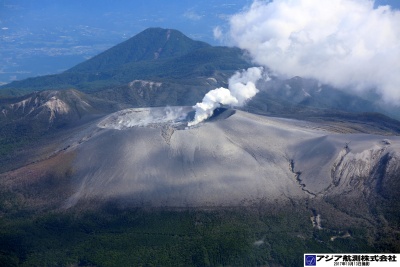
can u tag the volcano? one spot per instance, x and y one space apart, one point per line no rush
145 171
300 167
149 157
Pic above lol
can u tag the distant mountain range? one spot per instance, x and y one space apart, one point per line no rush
155 54
161 67
82 152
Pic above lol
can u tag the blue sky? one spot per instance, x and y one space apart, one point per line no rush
195 18
392 3
62 33
49 36
122 18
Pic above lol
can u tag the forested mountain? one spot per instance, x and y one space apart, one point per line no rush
155 54
99 166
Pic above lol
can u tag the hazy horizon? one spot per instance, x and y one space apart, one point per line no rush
47 37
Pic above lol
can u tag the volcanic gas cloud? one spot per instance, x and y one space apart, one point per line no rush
349 44
241 88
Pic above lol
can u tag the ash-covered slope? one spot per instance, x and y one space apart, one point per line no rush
50 106
146 157
297 184
26 122
37 113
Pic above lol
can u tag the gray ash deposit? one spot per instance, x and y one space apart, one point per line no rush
176 117
144 158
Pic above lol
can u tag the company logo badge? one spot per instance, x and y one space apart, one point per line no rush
310 260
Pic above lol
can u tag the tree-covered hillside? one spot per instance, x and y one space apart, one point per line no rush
155 54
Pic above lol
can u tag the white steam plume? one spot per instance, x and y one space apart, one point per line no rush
345 43
241 88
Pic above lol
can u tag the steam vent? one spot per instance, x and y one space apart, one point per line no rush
149 157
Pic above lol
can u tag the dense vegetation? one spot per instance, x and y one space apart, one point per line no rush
150 45
155 54
114 236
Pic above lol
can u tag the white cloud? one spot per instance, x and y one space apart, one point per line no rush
345 43
217 32
192 15
241 88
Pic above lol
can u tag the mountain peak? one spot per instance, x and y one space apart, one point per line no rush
154 54
150 44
